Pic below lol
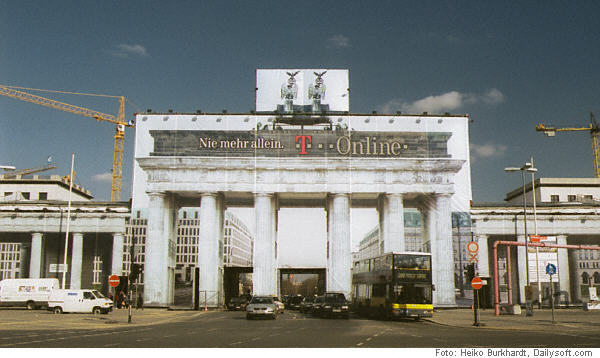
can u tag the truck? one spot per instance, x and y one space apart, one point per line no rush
32 293
79 301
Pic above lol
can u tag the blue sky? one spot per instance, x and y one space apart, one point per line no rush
509 65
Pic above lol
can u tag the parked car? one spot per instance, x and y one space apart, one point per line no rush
315 308
280 305
306 304
261 306
335 305
294 302
81 301
27 292
237 303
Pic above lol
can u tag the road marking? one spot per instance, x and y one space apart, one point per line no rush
360 344
369 339
111 344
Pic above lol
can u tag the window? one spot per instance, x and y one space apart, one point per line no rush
8 193
25 196
42 196
554 199
572 198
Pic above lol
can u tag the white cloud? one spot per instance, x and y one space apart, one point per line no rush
493 96
446 102
487 150
338 41
103 177
125 50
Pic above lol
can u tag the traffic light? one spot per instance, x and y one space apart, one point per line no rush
470 272
135 271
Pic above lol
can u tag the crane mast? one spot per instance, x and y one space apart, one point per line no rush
119 120
594 134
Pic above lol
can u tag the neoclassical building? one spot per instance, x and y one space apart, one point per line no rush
567 213
300 148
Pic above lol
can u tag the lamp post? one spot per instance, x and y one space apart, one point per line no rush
535 231
527 167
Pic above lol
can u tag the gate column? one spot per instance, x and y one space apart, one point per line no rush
210 253
439 233
391 222
160 250
339 258
264 274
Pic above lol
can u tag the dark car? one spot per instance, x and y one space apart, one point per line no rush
315 308
237 304
306 304
294 302
334 305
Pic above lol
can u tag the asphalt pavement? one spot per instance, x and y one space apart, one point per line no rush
565 319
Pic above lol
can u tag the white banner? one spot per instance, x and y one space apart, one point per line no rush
541 259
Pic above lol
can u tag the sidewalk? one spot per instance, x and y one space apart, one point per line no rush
569 319
19 319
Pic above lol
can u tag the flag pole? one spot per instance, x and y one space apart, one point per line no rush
64 277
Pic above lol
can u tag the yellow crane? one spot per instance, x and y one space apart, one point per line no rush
119 120
594 133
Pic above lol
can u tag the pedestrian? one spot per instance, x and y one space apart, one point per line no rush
140 302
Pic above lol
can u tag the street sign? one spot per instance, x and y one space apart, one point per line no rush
472 248
537 238
477 283
550 269
114 280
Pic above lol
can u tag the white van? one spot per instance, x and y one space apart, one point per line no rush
26 292
86 301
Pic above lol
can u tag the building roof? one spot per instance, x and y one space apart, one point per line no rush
47 179
554 182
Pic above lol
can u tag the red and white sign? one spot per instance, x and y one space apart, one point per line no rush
477 283
537 238
114 280
473 249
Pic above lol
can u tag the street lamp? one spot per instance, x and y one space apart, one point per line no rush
527 167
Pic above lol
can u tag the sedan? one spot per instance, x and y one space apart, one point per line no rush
261 306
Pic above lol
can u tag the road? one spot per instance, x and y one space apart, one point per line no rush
290 330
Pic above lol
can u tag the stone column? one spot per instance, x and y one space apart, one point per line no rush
339 260
563 266
483 261
210 253
76 261
439 231
35 262
117 254
522 268
391 222
264 276
159 250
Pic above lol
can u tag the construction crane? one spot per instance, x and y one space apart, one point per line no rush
13 173
594 133
119 120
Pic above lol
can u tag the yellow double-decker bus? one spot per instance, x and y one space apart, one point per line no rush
393 285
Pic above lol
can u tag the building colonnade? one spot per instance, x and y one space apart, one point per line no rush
160 253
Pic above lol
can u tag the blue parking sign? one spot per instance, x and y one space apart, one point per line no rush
550 269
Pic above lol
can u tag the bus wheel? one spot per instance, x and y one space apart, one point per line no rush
57 310
30 305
